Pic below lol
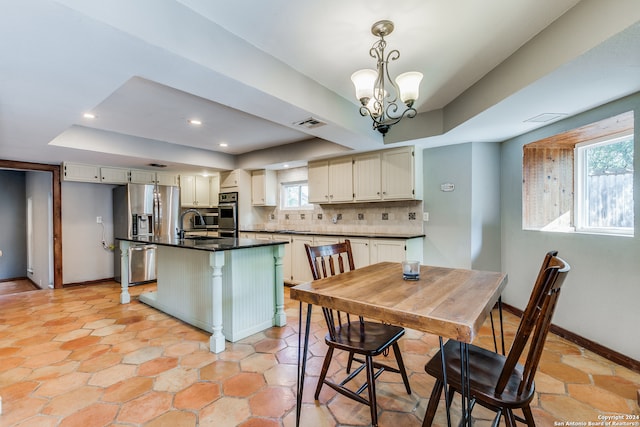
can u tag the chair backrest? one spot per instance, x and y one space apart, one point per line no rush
324 259
536 321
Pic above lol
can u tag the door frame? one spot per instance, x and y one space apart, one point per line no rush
57 209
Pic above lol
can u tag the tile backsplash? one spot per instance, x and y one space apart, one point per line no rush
378 218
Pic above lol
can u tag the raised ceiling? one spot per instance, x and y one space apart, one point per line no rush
249 70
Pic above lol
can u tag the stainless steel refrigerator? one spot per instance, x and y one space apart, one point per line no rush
144 211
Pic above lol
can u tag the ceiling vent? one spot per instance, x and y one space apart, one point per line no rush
545 117
310 123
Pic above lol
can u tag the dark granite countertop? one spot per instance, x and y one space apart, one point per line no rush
339 234
203 243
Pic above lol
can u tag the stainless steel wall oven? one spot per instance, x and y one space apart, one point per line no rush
228 214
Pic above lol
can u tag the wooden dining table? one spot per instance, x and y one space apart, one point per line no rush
449 302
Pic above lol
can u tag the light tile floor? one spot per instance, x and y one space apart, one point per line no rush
76 357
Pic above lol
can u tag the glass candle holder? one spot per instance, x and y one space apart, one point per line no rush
411 270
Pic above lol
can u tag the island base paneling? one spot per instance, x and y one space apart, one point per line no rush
193 284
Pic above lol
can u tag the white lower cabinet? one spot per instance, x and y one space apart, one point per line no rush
387 250
360 251
326 240
365 251
300 270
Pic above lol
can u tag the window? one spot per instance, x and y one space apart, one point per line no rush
295 195
604 180
581 180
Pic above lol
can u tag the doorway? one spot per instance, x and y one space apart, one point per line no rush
56 210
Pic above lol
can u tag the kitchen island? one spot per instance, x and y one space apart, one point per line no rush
230 287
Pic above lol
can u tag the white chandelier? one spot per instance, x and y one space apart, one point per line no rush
371 85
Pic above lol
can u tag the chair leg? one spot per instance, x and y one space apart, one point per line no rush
509 418
323 373
433 404
403 371
371 379
528 416
349 362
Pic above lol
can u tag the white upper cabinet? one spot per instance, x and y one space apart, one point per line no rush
263 188
367 181
80 172
331 181
380 175
341 180
228 179
142 177
194 191
318 180
165 178
114 175
398 174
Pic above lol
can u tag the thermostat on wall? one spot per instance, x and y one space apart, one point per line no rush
447 186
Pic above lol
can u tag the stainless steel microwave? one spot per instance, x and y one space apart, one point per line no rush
210 220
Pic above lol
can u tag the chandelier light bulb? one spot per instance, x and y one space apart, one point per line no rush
409 85
364 80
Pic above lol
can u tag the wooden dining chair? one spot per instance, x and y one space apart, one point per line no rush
497 382
363 340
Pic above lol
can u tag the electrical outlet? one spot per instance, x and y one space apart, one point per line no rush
425 216
98 220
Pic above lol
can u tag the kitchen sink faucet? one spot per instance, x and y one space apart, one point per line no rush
180 230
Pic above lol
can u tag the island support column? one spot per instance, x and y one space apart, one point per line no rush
125 297
280 317
216 342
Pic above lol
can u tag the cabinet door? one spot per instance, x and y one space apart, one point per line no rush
187 190
202 191
263 188
114 175
300 270
318 180
367 177
142 177
258 187
214 190
228 179
80 172
166 178
398 174
387 250
360 251
326 240
341 180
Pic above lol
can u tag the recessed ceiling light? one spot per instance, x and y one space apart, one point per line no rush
285 166
194 122
89 116
224 144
